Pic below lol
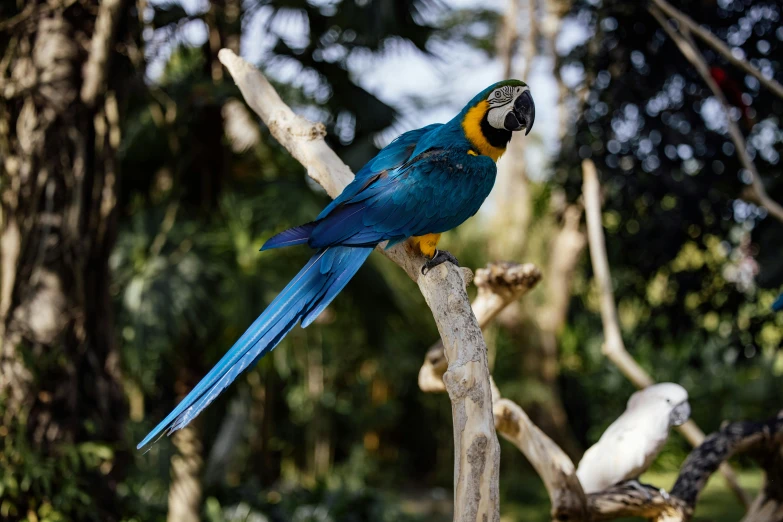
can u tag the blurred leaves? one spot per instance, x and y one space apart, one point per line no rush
685 249
27 475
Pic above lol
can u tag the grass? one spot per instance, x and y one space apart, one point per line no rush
717 502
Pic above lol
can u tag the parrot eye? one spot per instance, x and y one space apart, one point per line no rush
668 401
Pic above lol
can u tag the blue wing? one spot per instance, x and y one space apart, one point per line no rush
303 299
431 193
391 157
392 198
394 155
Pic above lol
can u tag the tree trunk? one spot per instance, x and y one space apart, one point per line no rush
59 132
187 464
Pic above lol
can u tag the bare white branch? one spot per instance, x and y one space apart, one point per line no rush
614 347
499 284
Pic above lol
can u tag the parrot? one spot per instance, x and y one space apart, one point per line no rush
777 306
425 182
631 443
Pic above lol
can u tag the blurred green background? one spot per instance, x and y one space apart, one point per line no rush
132 221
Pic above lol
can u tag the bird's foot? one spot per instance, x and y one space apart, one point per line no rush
664 494
441 256
638 486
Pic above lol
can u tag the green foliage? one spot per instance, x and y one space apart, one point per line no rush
52 486
683 247
317 505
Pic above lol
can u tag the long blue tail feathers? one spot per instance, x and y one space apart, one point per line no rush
304 298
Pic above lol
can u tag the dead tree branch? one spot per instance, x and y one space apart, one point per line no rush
477 451
501 284
764 438
565 252
768 505
692 54
614 347
550 462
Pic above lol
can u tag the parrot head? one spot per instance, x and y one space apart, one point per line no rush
506 106
490 118
680 414
510 106
667 398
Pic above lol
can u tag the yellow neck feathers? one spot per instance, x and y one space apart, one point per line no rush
472 127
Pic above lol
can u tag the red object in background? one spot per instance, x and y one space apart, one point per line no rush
733 93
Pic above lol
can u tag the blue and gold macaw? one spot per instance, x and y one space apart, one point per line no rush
425 182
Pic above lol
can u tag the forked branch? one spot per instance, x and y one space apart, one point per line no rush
499 284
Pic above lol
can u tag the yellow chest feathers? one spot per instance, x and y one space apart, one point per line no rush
472 127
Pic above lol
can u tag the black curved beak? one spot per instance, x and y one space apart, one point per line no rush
680 414
523 115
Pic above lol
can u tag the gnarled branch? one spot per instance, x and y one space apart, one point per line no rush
550 462
501 284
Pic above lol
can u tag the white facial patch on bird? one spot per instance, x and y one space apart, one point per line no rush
501 102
